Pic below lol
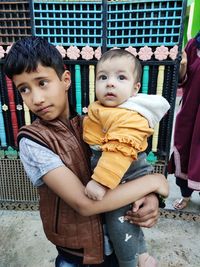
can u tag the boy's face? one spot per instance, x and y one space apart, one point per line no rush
44 93
115 81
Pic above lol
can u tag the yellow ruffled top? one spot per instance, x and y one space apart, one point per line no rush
121 134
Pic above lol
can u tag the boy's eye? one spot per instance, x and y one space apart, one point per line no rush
43 83
23 90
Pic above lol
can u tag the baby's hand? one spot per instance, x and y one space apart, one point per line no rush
95 190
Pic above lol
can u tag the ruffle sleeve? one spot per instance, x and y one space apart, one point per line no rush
125 137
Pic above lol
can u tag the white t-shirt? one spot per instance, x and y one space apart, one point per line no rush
37 160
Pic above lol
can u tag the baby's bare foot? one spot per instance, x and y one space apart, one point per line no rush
145 260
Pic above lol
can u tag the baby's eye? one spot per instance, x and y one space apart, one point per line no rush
43 83
122 77
102 77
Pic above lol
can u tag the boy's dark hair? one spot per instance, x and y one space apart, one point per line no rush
113 53
27 53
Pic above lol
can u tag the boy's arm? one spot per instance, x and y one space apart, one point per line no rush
67 185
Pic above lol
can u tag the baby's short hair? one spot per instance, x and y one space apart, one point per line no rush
114 53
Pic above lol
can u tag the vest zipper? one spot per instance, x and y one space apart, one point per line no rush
56 215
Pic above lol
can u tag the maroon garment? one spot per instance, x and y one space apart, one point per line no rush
185 160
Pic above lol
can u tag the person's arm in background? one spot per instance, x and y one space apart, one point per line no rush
183 67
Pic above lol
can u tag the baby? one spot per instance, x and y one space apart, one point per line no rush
117 128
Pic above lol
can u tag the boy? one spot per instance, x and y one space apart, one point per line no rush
56 159
117 128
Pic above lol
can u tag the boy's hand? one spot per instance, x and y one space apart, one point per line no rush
95 190
145 211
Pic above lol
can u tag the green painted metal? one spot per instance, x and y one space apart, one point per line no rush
196 21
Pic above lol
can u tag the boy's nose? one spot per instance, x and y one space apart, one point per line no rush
37 98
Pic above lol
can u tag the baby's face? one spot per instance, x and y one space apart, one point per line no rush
115 81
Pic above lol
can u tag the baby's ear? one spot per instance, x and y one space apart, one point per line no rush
137 87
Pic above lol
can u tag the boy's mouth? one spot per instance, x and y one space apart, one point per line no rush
43 110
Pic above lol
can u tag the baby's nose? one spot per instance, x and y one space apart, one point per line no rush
111 82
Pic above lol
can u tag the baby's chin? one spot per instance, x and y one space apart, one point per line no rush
109 104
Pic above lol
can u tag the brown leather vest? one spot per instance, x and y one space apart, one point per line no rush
62 225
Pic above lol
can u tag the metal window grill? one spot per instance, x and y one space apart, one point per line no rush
16 190
139 23
68 23
15 21
109 23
